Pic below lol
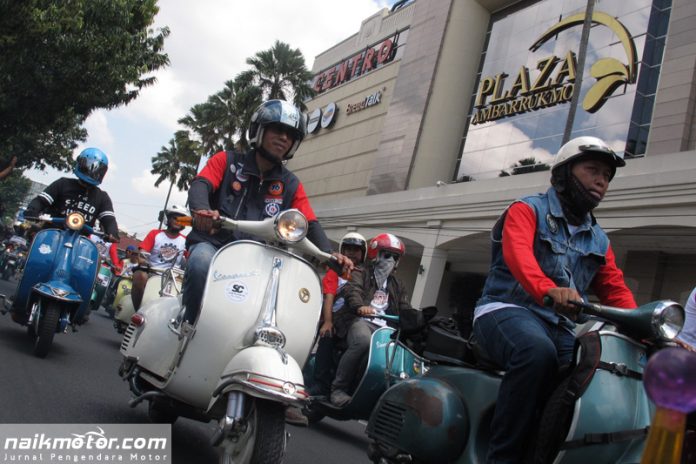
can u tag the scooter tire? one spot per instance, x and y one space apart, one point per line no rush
268 432
553 427
47 329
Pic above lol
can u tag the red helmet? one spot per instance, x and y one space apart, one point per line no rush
387 242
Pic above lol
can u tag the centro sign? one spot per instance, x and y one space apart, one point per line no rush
555 81
357 65
367 102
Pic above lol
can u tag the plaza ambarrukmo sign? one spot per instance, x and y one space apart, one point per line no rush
553 80
357 65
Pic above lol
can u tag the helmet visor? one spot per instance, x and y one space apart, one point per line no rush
92 168
617 159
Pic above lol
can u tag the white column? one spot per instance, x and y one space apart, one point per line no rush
429 278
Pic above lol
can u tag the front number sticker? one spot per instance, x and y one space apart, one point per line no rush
236 292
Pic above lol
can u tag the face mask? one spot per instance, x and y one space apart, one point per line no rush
384 266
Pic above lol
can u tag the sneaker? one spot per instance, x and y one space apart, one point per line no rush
340 398
294 416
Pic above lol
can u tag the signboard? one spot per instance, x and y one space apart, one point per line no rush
313 121
358 65
329 116
553 80
370 100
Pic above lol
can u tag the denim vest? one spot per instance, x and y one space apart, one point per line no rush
569 260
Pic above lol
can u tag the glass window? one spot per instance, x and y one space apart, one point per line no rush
522 97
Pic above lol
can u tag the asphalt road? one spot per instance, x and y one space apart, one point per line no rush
78 383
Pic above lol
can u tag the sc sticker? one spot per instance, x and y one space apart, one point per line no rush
237 292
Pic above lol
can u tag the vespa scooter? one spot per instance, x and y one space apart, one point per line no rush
445 415
161 282
57 282
239 364
388 361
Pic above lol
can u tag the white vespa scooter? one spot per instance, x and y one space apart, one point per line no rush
241 363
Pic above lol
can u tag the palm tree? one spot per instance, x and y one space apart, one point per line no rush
281 73
176 163
225 116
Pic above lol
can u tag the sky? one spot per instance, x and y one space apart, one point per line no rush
209 43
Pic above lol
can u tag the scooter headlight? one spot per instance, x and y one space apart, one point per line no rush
290 225
75 221
668 320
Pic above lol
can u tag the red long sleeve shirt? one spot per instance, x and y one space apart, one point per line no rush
518 253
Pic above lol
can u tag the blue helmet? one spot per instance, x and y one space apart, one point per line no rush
91 166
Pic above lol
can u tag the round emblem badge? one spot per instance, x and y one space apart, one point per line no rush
551 222
236 186
276 188
233 169
272 209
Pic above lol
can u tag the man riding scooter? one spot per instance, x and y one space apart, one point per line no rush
545 245
251 186
354 246
164 247
372 290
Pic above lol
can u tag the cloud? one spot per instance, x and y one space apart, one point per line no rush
145 186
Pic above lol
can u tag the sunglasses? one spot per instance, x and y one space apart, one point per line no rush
390 254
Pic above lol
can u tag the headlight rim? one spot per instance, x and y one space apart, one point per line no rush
660 322
291 215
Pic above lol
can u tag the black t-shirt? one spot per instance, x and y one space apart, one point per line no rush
67 195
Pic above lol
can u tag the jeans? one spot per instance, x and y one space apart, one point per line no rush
200 256
531 351
323 367
358 341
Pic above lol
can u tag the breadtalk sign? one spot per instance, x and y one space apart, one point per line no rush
553 81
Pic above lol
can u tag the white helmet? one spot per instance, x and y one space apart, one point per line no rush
176 210
355 239
586 145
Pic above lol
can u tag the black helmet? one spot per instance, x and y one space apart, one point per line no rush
278 112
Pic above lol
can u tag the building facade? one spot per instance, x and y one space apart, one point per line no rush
436 115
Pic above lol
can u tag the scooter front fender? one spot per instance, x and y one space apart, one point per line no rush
263 372
424 417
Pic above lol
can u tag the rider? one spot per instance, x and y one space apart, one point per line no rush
354 246
545 245
67 195
164 246
107 251
371 290
247 186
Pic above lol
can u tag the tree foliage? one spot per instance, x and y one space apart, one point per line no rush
280 72
62 60
176 162
220 123
13 189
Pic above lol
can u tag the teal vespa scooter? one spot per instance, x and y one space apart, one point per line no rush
57 282
388 361
445 415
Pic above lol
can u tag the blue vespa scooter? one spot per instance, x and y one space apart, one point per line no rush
57 282
598 413
388 361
